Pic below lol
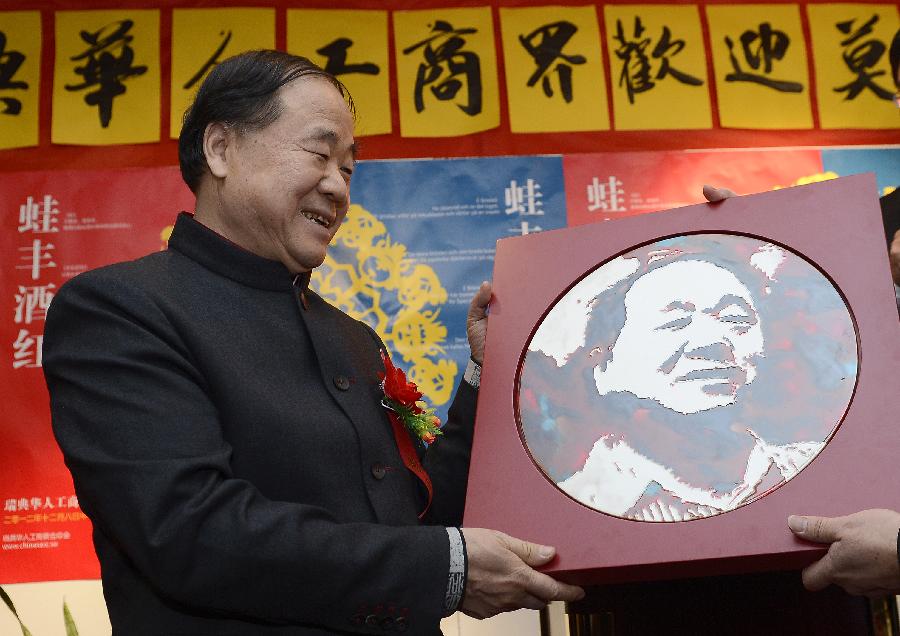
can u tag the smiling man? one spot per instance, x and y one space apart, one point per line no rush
690 339
224 424
687 377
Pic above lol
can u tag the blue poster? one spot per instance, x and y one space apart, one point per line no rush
884 162
417 243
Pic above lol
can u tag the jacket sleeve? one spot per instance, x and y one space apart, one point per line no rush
143 441
447 460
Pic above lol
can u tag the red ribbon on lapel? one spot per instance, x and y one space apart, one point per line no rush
410 457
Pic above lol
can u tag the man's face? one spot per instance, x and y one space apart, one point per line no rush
287 188
690 338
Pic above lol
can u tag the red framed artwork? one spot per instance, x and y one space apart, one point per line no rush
660 392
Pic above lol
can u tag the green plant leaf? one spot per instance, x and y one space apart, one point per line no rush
71 629
12 608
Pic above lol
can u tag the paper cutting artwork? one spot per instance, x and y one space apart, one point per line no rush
398 298
687 378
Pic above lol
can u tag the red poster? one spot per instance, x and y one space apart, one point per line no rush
56 225
612 185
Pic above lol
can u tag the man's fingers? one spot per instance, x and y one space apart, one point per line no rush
714 194
533 554
480 301
818 575
549 589
818 529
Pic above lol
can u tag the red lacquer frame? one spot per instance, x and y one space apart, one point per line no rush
837 226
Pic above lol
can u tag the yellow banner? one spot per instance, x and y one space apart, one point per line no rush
759 55
854 87
20 76
446 72
201 38
658 67
352 45
106 77
554 69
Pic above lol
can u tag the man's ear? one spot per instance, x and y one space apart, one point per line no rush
216 139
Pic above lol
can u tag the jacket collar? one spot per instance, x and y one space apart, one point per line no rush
216 253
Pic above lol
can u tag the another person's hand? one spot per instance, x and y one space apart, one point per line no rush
714 194
501 577
476 321
895 258
862 557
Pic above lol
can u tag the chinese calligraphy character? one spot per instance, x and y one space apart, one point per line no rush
38 257
212 61
10 61
607 196
108 61
637 64
39 218
760 48
32 303
336 64
523 200
448 62
9 505
27 353
861 58
553 37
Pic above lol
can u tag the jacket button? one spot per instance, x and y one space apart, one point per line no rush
378 470
342 382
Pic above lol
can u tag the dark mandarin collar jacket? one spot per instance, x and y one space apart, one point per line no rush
226 440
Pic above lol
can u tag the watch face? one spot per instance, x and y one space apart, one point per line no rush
687 377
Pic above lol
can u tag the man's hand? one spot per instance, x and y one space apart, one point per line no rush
501 578
895 258
714 194
476 321
862 557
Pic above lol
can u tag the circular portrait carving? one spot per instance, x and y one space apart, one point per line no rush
687 377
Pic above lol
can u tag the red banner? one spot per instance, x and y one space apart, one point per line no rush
605 186
56 225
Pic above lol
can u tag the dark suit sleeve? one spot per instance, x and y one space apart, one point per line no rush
151 468
447 460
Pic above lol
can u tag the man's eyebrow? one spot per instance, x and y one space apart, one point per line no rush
731 299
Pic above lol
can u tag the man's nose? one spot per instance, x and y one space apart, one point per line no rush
335 186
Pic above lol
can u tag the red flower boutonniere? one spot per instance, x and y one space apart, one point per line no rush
402 399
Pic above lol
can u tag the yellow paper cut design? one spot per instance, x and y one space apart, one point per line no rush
20 54
377 273
353 45
106 77
203 37
657 67
554 69
854 87
446 72
762 80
